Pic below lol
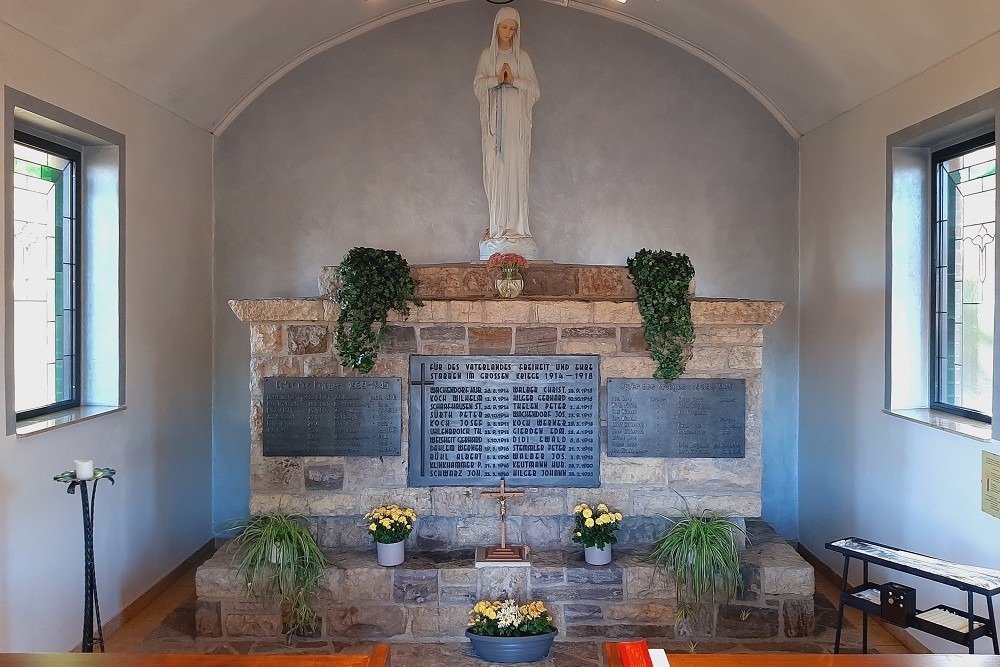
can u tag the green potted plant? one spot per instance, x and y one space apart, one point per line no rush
663 284
279 556
389 525
504 631
701 552
372 282
595 529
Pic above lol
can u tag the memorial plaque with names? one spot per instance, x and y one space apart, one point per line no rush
333 416
533 420
687 418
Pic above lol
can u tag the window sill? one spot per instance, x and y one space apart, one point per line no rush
64 418
970 428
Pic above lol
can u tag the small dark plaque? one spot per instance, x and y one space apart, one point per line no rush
532 420
688 418
333 416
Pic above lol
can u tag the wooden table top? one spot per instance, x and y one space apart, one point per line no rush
802 660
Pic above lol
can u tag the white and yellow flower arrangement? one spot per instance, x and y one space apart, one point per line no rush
506 618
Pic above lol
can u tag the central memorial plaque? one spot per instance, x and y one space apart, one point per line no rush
533 420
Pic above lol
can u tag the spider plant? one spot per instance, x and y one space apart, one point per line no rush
279 556
700 551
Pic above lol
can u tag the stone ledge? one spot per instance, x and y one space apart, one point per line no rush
704 312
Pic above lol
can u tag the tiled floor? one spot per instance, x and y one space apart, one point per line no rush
167 626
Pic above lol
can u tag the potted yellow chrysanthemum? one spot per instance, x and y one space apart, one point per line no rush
504 631
595 530
389 525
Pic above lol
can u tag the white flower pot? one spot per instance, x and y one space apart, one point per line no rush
595 556
390 554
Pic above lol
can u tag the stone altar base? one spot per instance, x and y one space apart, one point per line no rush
428 597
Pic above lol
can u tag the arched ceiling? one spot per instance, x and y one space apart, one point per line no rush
807 60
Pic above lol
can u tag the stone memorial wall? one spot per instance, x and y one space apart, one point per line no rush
564 310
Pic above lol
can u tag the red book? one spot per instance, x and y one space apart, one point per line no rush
635 654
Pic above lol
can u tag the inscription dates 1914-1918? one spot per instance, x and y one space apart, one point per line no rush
332 416
533 420
697 418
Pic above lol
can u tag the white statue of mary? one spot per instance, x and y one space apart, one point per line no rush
506 87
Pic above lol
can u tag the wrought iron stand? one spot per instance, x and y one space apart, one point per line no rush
91 606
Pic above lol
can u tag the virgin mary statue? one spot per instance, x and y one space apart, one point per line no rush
506 87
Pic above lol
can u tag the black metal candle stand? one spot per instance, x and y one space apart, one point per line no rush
91 607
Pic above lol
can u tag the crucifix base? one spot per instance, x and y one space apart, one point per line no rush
510 556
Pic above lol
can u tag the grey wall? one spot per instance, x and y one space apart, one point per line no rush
635 144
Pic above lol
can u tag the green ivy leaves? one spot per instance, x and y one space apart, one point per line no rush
663 282
373 281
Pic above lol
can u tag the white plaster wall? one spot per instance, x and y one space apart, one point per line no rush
635 144
158 512
861 472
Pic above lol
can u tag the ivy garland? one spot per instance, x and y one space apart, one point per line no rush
373 281
663 282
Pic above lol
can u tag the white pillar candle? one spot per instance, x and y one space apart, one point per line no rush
84 469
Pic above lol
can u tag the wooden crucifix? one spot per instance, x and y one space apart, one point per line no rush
502 555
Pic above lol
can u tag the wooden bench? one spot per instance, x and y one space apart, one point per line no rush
379 658
867 597
800 660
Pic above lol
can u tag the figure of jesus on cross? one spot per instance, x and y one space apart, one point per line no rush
502 555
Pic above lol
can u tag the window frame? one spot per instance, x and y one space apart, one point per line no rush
936 158
69 153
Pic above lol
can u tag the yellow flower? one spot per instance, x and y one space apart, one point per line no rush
372 526
579 534
618 516
602 508
386 523
587 513
589 523
578 508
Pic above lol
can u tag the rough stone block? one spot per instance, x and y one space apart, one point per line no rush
617 312
322 367
606 574
503 582
337 532
626 367
266 339
552 280
509 311
272 367
581 346
330 504
490 340
743 357
641 530
420 586
611 282
545 532
746 622
452 501
208 619
276 474
443 621
390 365
535 340
621 471
582 612
568 312
633 340
279 310
732 311
442 334
572 592
418 499
329 281
713 335
699 622
589 333
641 612
460 586
466 311
621 631
253 625
270 503
707 359
646 582
547 576
369 472
477 531
448 348
307 338
399 339
366 621
713 475
783 571
750 576
365 585
799 617
325 477
434 533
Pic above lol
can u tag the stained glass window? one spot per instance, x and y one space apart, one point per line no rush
46 276
964 277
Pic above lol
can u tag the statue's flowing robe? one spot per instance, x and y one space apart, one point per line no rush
505 115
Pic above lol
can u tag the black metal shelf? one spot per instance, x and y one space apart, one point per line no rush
957 636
